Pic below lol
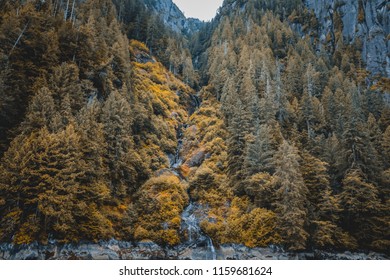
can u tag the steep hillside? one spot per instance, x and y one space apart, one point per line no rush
299 116
165 32
268 127
98 118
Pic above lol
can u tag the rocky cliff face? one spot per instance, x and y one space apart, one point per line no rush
364 20
174 17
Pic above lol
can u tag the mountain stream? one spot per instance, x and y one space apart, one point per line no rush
191 216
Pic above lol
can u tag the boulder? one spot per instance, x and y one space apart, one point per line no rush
196 158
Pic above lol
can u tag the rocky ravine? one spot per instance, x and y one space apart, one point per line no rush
118 250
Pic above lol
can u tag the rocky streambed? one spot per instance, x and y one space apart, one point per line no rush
119 250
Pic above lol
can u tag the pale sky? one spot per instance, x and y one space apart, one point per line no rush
201 9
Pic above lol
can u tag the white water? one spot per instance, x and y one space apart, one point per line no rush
211 248
195 236
190 217
174 160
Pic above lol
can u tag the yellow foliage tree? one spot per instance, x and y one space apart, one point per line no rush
160 203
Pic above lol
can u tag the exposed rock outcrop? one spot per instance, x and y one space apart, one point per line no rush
174 17
119 250
365 20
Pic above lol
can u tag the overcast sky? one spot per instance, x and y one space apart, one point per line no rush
201 9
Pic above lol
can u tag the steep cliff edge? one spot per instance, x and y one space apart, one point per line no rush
173 17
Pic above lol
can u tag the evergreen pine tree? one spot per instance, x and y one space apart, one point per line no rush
323 207
291 195
361 203
124 163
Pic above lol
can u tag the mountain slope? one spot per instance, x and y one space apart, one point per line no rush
298 115
278 136
97 122
363 22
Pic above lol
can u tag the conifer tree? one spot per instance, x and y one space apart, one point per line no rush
361 203
291 196
41 112
323 207
260 187
124 163
293 79
92 146
239 130
67 88
259 151
43 190
60 164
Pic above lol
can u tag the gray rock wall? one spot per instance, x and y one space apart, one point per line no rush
373 30
173 17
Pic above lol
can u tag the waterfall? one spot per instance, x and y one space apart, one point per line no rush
174 160
211 248
190 223
192 214
196 238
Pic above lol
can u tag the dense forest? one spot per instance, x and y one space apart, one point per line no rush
290 144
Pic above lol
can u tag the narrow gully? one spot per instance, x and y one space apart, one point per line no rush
190 218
